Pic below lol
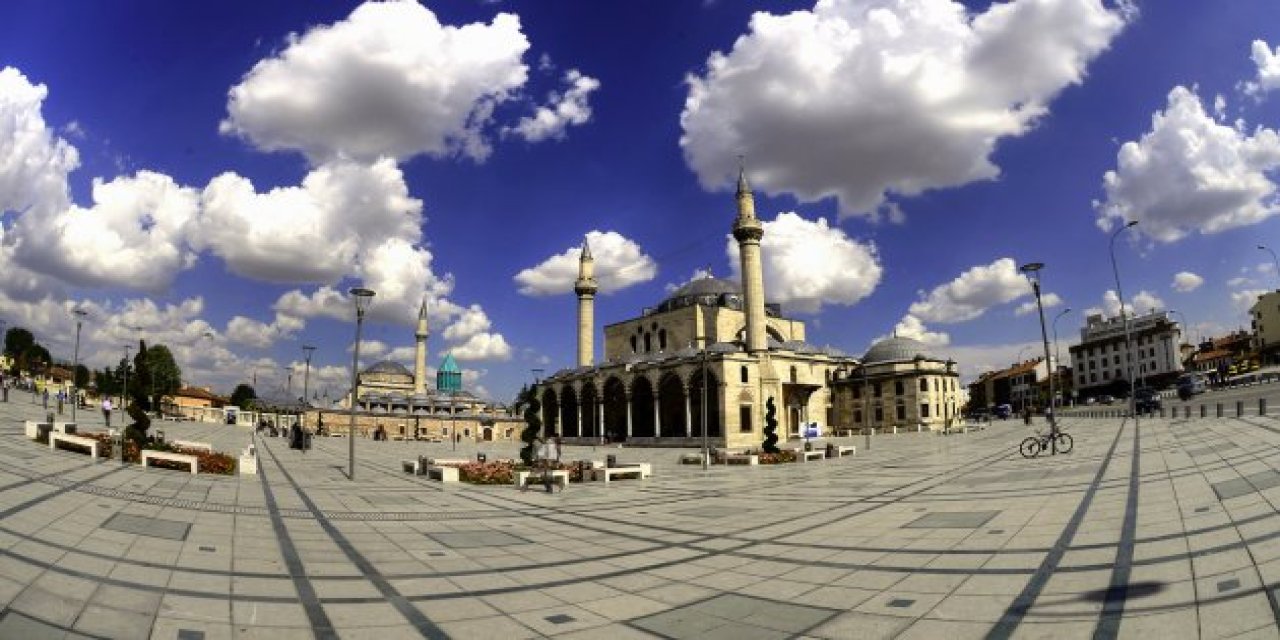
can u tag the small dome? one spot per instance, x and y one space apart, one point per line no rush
706 286
388 366
896 349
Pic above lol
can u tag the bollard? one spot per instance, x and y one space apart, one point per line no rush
1219 409
1203 413
1262 406
480 457
1239 408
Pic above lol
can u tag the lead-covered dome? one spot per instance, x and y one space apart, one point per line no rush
709 290
389 367
896 349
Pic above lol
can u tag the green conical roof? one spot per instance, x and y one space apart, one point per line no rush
449 365
449 376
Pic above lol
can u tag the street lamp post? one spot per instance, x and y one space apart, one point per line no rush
307 350
1273 258
866 406
75 363
1022 396
361 297
1124 318
706 448
1057 355
1032 272
124 393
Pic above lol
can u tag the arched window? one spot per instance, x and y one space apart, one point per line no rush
648 342
744 374
662 340
633 344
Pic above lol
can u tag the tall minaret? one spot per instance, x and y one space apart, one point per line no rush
420 355
748 231
586 288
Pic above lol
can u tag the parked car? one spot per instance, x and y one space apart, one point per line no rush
1002 411
1146 400
1189 384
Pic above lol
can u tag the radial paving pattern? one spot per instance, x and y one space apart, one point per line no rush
1169 528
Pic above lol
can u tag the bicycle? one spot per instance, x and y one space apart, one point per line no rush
1032 446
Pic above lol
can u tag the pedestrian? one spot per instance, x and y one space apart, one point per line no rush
46 397
106 411
550 456
61 397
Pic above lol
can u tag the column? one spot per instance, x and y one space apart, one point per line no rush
578 417
628 398
600 416
688 413
657 415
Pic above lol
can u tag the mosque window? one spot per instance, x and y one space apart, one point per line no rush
876 392
924 410
744 418
743 374
662 340
902 411
879 414
899 388
857 416
793 374
648 342
633 344
924 384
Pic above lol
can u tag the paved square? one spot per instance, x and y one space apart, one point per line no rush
1170 528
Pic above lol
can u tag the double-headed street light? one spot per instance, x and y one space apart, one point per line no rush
1057 355
75 363
361 297
1128 343
1032 271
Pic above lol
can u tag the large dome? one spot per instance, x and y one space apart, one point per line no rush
388 366
896 349
708 290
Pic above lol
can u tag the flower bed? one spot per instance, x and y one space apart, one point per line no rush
206 462
504 471
778 458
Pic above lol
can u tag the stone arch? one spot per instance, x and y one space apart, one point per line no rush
590 411
714 419
671 398
615 409
550 412
568 412
642 418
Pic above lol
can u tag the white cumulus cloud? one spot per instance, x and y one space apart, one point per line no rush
1046 300
562 110
1268 63
860 99
1185 281
911 327
619 263
972 293
389 80
808 264
483 346
1191 173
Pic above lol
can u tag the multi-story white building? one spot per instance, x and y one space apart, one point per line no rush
1099 362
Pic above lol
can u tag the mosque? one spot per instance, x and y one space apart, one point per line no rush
722 341
388 395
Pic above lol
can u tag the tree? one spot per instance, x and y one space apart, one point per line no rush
141 382
165 374
17 340
533 424
243 396
770 444
83 376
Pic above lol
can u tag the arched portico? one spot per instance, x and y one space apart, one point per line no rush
550 412
642 415
590 411
672 406
615 409
569 412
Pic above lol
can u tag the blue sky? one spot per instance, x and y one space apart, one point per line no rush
215 177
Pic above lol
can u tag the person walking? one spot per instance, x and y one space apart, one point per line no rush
550 456
106 411
45 395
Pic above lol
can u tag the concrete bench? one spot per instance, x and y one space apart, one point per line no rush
411 466
805 456
187 444
443 474
448 462
641 470
692 458
249 461
33 428
180 458
65 427
559 476
55 438
845 450
749 459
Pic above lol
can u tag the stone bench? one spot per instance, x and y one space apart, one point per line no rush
33 428
805 456
187 444
845 450
249 461
523 478
56 437
443 474
641 470
180 458
692 458
749 459
65 427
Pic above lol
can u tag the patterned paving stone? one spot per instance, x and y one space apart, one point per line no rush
952 520
152 527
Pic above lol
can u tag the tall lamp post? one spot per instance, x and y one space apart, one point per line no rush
1032 271
75 363
307 350
866 405
706 449
1022 397
1274 261
124 394
1057 355
361 297
1124 318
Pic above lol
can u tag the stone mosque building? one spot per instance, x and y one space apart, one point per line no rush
388 395
717 339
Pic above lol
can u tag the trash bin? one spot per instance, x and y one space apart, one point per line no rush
611 461
480 457
159 436
42 432
831 449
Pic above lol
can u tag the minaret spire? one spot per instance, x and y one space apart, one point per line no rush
748 231
586 288
420 351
